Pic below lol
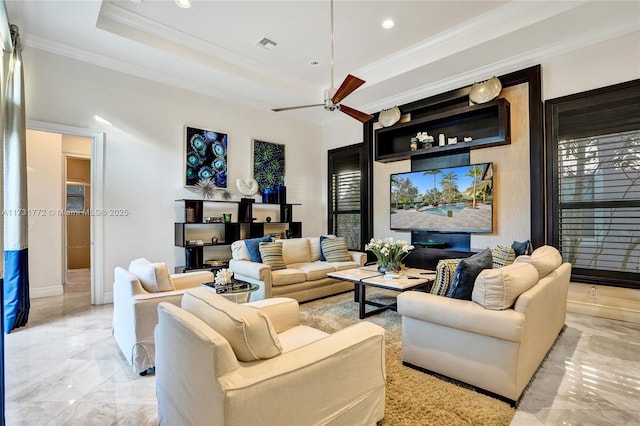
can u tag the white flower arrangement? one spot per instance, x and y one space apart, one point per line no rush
388 252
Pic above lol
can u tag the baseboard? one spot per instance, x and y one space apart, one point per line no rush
108 298
48 291
604 311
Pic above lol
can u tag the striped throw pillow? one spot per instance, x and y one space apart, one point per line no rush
445 271
335 249
503 256
271 254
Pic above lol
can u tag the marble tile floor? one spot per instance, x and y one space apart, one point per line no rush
64 368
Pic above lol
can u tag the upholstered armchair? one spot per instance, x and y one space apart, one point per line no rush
136 294
221 363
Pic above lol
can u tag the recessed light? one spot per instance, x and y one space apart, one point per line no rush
185 4
387 24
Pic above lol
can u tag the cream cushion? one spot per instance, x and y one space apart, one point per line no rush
295 250
314 248
154 277
239 250
247 329
545 259
498 289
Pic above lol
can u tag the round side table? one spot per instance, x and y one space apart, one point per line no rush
239 292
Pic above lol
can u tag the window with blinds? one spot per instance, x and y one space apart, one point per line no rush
599 201
346 207
594 142
345 211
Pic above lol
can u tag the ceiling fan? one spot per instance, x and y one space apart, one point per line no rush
333 97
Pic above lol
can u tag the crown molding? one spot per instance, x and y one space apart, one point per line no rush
488 26
120 21
146 73
505 66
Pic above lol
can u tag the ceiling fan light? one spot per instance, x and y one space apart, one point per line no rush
185 4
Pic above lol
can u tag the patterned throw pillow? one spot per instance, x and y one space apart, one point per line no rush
444 276
322 238
271 254
503 256
335 249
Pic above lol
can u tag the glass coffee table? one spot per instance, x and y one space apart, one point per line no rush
238 291
409 279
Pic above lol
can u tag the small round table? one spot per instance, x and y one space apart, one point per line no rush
238 291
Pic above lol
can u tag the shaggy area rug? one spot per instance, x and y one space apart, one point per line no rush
412 397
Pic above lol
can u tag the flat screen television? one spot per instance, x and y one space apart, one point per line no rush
451 199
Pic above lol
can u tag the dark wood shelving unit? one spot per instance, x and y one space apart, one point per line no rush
487 124
194 216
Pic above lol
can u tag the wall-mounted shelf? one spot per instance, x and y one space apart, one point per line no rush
487 124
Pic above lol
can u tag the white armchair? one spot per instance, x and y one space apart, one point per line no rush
135 306
221 363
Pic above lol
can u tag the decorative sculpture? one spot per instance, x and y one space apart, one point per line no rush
247 187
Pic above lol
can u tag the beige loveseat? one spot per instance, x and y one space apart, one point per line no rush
304 276
497 340
222 363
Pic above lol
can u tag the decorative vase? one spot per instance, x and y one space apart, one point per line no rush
382 269
280 192
268 196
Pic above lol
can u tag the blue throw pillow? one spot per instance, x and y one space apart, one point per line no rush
466 273
253 247
521 248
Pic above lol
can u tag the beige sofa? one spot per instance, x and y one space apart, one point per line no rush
305 276
497 340
222 363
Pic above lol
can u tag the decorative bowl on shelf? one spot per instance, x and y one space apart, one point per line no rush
485 91
389 117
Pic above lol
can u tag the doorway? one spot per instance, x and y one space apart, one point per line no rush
77 218
93 194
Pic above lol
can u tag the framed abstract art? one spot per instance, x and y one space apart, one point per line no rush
268 164
205 156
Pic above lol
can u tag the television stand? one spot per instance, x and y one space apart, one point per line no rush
427 258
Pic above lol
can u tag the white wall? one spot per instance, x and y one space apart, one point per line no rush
144 149
44 190
599 65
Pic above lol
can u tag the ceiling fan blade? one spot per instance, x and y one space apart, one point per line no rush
350 83
363 117
296 107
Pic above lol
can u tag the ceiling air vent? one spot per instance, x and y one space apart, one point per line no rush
267 44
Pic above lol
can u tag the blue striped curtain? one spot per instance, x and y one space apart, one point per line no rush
16 268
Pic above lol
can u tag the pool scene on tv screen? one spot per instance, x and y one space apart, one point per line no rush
451 199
